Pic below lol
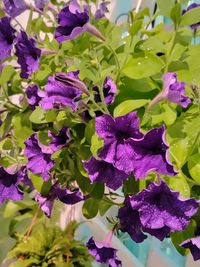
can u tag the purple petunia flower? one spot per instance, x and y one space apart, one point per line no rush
40 4
39 157
28 55
173 91
73 21
7 37
64 195
193 244
130 222
34 95
150 154
63 90
103 253
104 172
9 186
194 5
109 91
14 7
117 132
102 9
59 140
160 207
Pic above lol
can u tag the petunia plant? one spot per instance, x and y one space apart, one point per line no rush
101 114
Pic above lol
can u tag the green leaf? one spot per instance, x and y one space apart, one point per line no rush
178 237
179 184
194 167
96 144
190 17
38 116
22 127
98 191
51 115
128 106
143 66
39 184
90 208
104 205
6 144
176 14
6 75
165 7
179 151
135 27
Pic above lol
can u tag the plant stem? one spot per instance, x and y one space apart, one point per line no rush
169 51
32 224
117 62
8 99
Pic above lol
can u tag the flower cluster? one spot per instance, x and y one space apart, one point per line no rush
127 150
61 150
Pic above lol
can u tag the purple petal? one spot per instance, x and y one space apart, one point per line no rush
9 186
101 171
103 253
39 162
193 245
14 7
7 37
150 154
28 55
160 207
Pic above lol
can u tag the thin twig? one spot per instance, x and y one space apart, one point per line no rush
32 224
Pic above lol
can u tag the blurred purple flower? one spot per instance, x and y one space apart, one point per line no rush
59 140
109 91
34 95
150 154
24 179
63 90
194 5
73 21
193 244
40 4
103 253
14 7
9 186
7 37
160 207
28 55
104 172
173 91
39 157
102 9
117 132
63 194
